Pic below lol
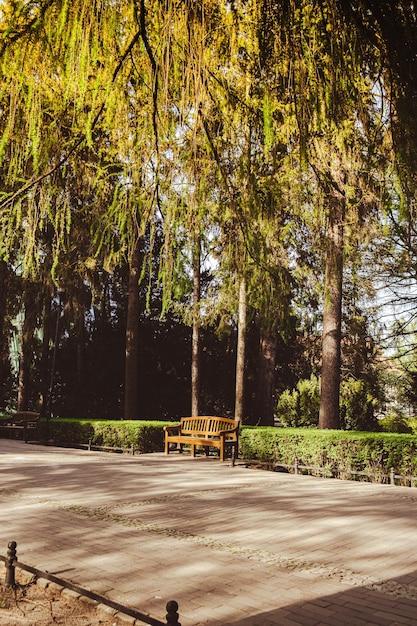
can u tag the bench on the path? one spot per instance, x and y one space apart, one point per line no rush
204 431
20 423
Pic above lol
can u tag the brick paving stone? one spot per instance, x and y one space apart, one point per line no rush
318 611
404 610
389 618
303 616
283 621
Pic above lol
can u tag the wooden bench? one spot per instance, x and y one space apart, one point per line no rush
205 431
20 422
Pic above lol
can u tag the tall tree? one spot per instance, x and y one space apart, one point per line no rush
27 345
241 351
196 345
340 128
5 272
132 328
332 313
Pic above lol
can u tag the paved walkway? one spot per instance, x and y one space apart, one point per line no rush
234 546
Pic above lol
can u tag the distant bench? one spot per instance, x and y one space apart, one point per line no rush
205 431
22 422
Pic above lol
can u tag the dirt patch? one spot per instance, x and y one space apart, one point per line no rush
37 604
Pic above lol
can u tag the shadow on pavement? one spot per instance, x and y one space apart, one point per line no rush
357 606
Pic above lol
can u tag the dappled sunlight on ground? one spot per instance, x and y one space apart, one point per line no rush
230 544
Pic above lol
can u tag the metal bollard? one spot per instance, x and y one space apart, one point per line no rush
172 613
10 565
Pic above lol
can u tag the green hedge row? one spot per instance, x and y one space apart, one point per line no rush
143 435
338 451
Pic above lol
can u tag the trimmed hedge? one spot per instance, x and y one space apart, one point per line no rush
145 436
337 451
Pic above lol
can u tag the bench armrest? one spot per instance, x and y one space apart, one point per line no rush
167 429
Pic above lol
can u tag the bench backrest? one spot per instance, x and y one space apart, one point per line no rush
206 425
24 417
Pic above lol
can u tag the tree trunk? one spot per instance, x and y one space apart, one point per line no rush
132 331
241 352
195 359
4 347
266 377
45 360
26 344
332 317
58 299
79 313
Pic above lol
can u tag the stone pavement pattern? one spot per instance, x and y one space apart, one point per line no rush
234 546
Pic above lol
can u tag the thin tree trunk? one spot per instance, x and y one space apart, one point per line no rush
79 312
132 331
266 380
59 305
4 347
195 359
45 373
26 343
332 318
241 352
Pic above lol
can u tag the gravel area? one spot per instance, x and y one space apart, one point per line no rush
40 603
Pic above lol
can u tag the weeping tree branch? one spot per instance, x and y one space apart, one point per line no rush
141 18
27 186
15 35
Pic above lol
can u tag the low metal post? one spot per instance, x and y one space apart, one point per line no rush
172 613
10 565
392 476
296 466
